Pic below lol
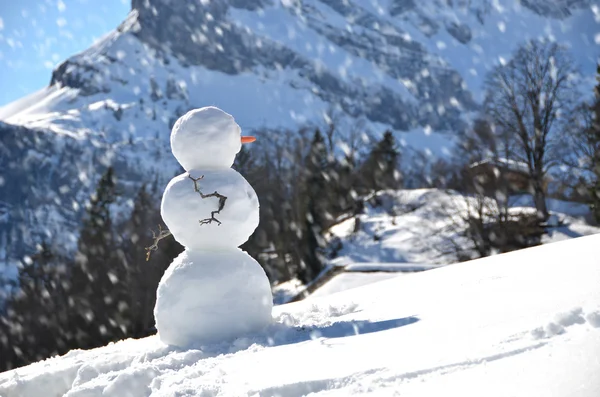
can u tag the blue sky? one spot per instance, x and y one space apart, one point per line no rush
36 35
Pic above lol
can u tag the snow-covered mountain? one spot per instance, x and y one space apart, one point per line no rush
414 67
521 324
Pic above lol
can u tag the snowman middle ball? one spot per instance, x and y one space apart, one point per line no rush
183 209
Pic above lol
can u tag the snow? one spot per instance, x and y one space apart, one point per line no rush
512 165
468 329
206 297
206 138
416 226
341 277
27 102
346 281
285 291
388 267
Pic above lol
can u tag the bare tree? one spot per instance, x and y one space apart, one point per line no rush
529 98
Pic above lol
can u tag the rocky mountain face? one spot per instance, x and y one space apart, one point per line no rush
414 67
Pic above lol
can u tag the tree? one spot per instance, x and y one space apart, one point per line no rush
142 276
34 319
528 98
480 218
593 134
317 211
380 170
579 156
97 299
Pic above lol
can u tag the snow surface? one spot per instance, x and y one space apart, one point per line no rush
359 274
417 226
285 291
388 267
525 324
346 281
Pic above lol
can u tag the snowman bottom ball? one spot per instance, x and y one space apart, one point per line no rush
207 297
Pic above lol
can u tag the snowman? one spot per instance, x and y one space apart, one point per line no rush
213 291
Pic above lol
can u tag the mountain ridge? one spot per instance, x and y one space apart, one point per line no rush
414 69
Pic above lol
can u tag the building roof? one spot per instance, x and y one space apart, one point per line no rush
511 165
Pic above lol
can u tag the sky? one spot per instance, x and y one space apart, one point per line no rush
37 35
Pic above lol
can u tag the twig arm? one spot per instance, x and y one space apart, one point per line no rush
162 233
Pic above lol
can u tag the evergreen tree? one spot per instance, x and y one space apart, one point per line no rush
246 164
342 178
97 299
316 177
316 210
34 324
244 161
142 276
380 170
594 136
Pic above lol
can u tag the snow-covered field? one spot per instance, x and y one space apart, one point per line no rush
525 323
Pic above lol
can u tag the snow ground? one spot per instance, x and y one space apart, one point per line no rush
525 323
346 281
283 292
412 226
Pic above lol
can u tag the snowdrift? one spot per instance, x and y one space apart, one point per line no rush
525 323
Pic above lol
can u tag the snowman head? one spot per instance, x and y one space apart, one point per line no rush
206 138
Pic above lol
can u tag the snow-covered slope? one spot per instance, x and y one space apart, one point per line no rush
420 225
414 67
525 324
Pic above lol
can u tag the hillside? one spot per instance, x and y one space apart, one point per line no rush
421 226
521 324
414 67
406 231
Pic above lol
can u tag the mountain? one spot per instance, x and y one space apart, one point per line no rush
413 67
521 324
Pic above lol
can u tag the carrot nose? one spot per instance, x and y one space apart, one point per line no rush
248 139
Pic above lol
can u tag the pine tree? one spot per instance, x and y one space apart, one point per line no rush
244 161
246 164
34 321
316 212
136 230
97 298
380 170
316 176
142 276
594 131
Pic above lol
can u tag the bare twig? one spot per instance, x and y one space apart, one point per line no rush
221 198
157 237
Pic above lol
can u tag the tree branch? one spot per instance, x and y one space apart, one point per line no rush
161 234
221 198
